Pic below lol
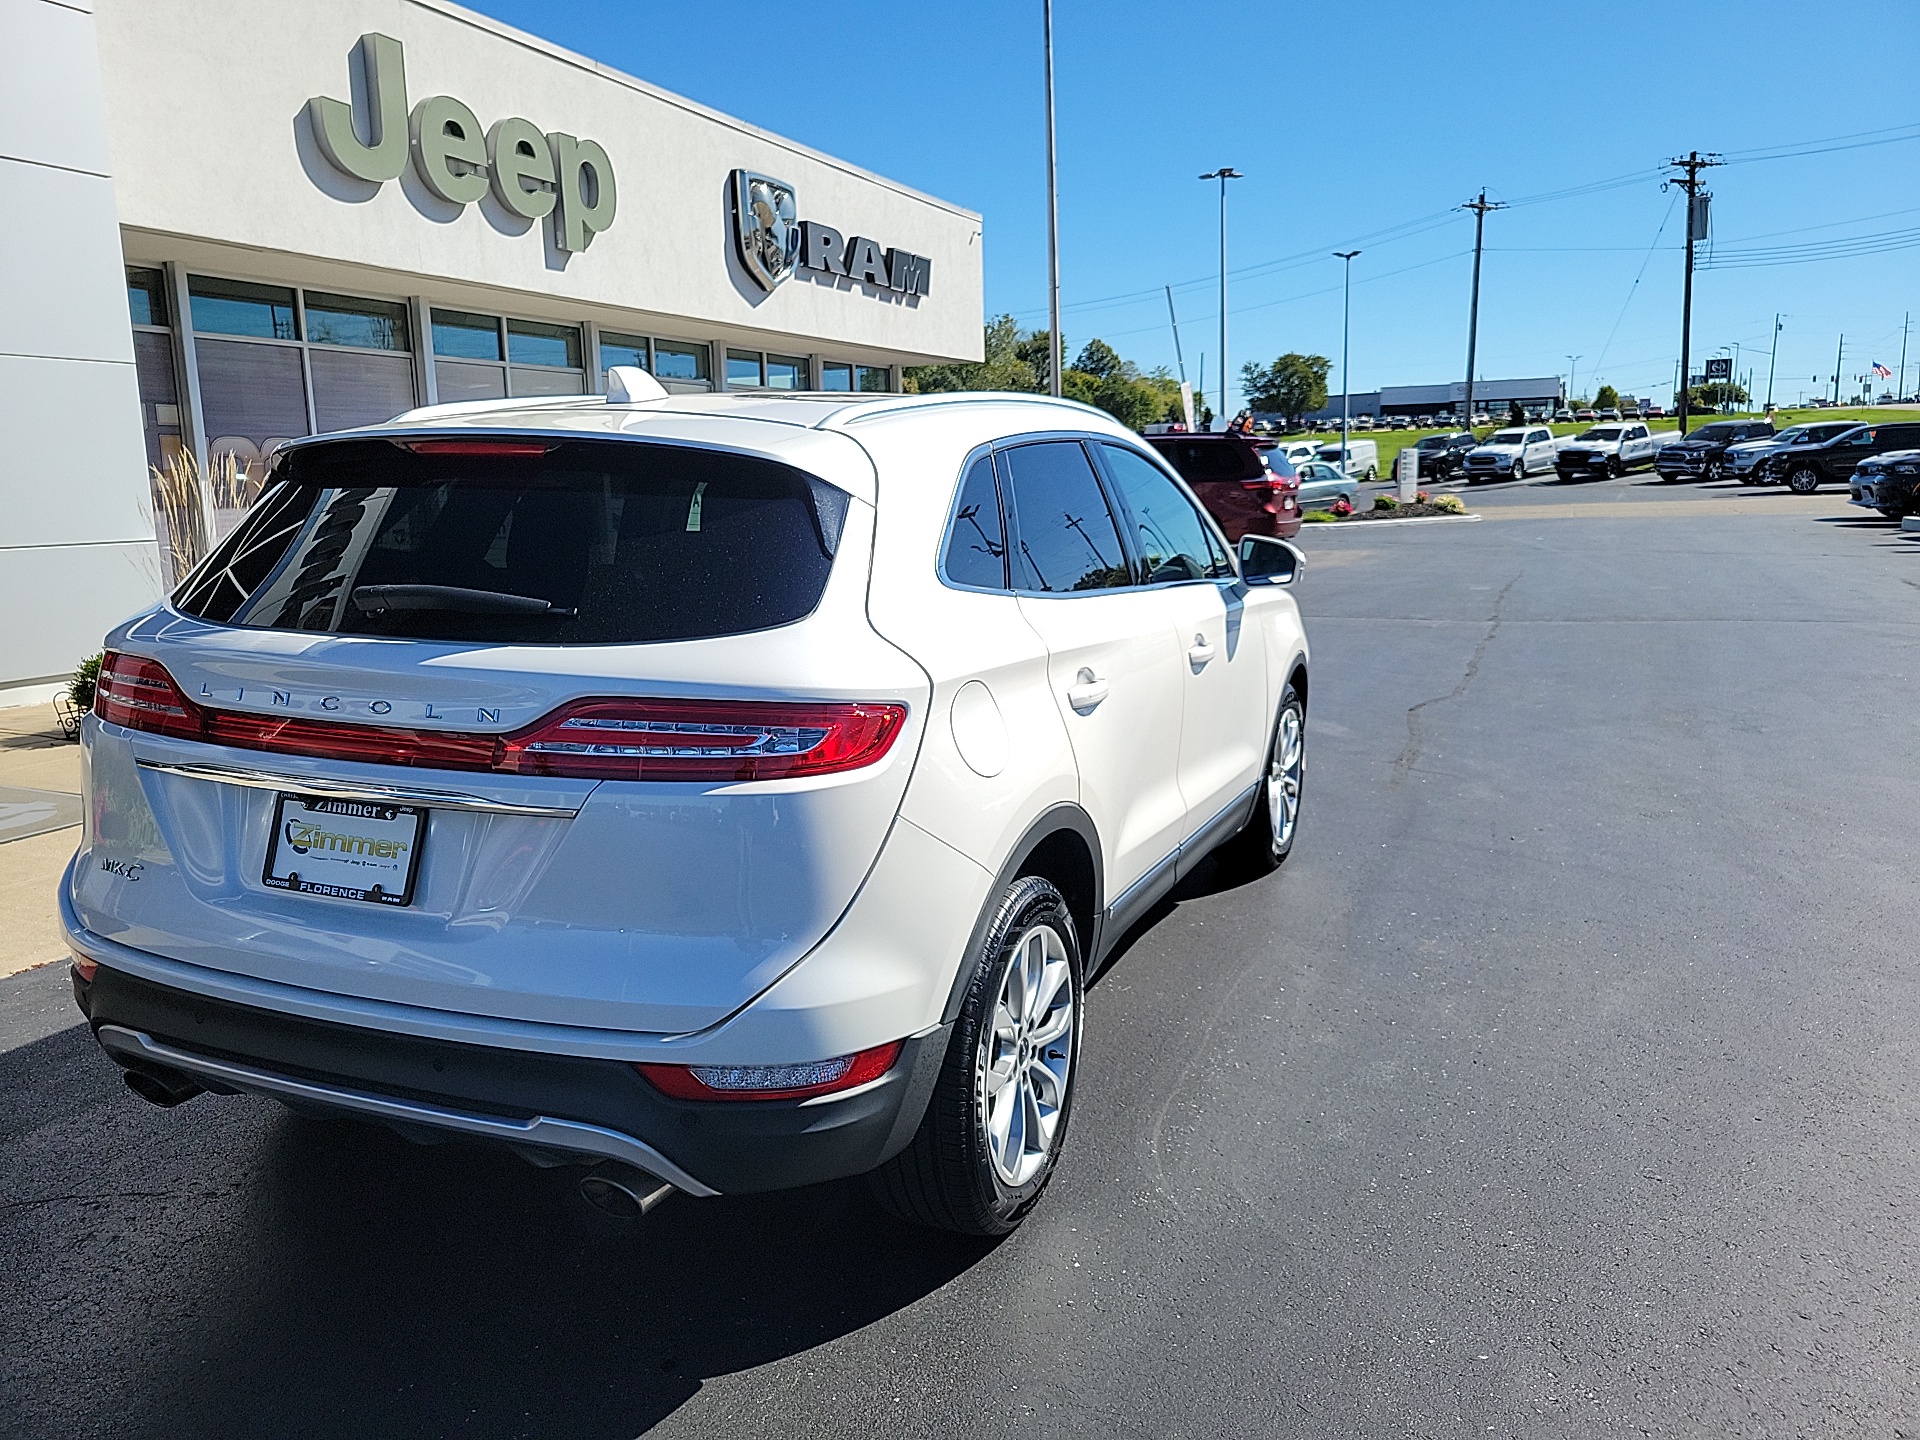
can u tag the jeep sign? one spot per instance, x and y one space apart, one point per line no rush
531 174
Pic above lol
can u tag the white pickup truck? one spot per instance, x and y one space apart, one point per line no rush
1511 454
1610 449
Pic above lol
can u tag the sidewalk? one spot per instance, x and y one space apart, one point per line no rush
39 828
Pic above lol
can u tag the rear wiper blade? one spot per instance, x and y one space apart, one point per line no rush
451 599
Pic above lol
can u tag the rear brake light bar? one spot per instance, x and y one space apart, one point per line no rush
476 447
610 738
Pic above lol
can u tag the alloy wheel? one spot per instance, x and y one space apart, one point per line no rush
1804 481
1284 774
1026 1057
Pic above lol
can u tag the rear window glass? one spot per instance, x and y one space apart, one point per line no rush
586 543
1200 460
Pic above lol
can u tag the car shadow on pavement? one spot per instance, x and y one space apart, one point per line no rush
236 1270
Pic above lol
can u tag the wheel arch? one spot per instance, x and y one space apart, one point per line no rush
1063 847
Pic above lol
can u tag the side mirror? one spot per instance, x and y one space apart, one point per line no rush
1266 561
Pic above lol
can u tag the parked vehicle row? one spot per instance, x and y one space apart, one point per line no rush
1702 454
1805 467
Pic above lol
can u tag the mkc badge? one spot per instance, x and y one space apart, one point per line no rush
773 242
765 227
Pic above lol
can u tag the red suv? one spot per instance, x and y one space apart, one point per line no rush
1245 486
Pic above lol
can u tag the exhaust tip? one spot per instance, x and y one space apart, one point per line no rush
622 1191
163 1088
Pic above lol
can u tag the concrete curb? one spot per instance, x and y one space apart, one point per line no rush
1376 524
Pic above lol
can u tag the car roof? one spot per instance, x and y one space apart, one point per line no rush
811 430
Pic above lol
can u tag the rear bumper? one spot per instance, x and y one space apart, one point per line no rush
548 1106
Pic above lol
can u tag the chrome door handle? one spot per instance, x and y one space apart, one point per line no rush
1087 691
1200 652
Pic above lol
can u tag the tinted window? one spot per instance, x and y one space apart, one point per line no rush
976 541
1199 459
1899 437
364 324
1718 434
588 543
1167 532
234 307
1067 537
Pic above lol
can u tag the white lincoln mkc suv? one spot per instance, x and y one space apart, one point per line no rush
725 792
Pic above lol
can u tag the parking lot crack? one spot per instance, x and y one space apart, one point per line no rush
1410 754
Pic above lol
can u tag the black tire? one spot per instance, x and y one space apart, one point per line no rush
1260 848
1715 471
1614 468
1891 513
1519 470
946 1178
1803 479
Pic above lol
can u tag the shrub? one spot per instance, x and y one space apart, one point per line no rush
1340 508
1385 502
1419 497
81 686
1451 504
1318 517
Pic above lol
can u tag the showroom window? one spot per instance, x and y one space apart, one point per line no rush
276 362
486 357
751 369
869 379
679 365
153 363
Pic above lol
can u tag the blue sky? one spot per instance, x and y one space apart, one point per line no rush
1362 126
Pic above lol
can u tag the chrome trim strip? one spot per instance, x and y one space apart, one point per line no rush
573 1136
351 790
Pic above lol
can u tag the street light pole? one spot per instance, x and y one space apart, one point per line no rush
1054 358
1223 174
1572 361
1346 375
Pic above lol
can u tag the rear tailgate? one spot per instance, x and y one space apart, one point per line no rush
639 904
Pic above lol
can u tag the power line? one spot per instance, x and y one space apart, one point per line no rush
1633 288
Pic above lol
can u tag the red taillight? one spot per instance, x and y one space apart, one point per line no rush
772 1082
476 447
86 969
702 739
600 739
140 694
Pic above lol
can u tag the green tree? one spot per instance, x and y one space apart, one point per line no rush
1100 360
1714 395
1004 366
1291 386
1516 413
1606 398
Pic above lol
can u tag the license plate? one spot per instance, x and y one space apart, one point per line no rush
346 849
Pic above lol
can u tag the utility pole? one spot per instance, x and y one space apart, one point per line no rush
1346 376
1771 362
1055 361
1903 357
1479 207
1572 362
1836 366
1174 321
1223 175
1697 199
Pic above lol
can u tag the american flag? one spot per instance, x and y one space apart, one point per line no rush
1882 371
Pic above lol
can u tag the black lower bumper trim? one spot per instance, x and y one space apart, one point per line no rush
729 1146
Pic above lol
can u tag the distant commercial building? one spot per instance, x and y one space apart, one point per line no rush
1543 392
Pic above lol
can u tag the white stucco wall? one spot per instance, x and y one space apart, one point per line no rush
76 532
209 138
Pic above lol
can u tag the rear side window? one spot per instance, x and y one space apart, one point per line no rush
563 542
1068 540
977 540
1899 437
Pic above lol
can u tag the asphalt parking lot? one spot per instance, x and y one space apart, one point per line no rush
1562 1083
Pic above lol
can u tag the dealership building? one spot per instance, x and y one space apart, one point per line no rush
1489 396
239 221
